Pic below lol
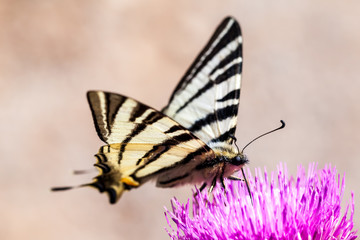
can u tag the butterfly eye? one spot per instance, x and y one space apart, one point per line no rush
239 160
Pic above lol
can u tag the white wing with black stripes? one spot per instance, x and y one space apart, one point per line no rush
142 144
190 141
206 99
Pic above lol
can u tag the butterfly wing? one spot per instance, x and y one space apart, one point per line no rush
142 144
206 99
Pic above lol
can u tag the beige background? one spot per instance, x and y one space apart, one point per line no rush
301 64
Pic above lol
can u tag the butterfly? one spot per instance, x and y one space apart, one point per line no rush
191 141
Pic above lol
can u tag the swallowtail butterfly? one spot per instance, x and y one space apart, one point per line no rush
191 141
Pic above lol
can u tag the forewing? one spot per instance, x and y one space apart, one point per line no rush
119 119
142 143
206 99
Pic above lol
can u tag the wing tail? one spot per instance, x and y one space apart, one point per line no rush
113 192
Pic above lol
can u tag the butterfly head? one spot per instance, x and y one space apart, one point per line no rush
231 162
239 160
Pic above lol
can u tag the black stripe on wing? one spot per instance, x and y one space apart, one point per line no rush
150 119
202 90
161 148
174 179
202 59
108 103
232 71
233 55
138 111
174 129
225 136
234 94
158 151
202 151
218 115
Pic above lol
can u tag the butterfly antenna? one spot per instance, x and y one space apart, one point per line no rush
282 126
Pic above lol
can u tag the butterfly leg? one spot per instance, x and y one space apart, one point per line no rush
222 180
211 188
235 178
213 184
200 189
240 179
223 184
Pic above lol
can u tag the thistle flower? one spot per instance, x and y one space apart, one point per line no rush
307 207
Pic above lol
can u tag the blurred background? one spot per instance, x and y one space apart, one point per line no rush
301 64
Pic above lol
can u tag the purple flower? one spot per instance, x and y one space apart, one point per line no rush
307 207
